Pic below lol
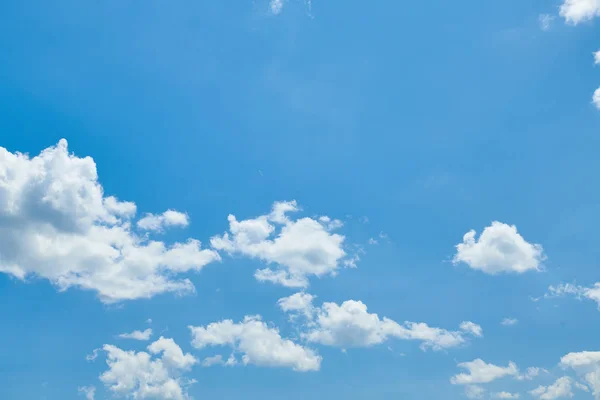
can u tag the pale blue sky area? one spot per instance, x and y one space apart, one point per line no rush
407 124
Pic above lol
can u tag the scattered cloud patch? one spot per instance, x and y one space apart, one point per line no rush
158 223
505 395
499 249
155 374
509 321
597 57
531 373
577 11
579 292
258 343
545 21
474 392
218 360
351 325
373 241
596 98
137 335
298 248
89 392
93 356
481 372
561 389
57 224
276 6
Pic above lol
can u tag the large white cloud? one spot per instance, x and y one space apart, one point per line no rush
351 325
258 343
586 364
481 372
298 248
561 389
499 249
155 374
576 11
56 223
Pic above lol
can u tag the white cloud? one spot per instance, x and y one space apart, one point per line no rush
597 57
298 303
472 328
576 11
158 223
351 325
88 391
474 392
276 6
152 375
558 390
137 335
531 373
259 344
218 360
579 292
298 248
545 21
509 321
57 224
373 241
586 364
481 372
93 356
596 98
505 395
499 249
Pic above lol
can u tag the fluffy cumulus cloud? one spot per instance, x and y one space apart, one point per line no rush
576 11
297 249
56 223
481 372
561 389
587 365
156 374
351 325
276 6
137 335
499 249
257 343
158 223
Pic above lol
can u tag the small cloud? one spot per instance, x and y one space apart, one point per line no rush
137 335
597 57
364 220
373 241
545 21
149 321
276 6
596 98
88 391
93 356
509 321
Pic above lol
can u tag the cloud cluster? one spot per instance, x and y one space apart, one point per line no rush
155 374
57 224
258 344
297 248
499 249
351 325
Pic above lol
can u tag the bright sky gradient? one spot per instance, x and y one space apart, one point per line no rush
267 199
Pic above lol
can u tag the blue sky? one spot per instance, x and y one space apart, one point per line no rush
285 185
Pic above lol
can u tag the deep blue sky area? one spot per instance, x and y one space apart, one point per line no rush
410 122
